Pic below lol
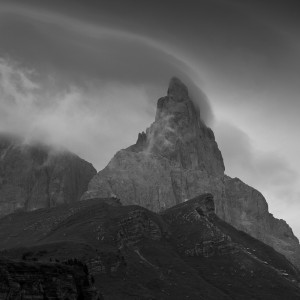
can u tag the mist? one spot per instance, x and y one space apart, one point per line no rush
264 170
88 119
93 87
88 88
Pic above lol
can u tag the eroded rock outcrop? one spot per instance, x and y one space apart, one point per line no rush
177 158
199 210
37 176
19 280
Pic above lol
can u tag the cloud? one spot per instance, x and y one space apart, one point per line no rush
88 121
267 169
94 86
18 95
81 88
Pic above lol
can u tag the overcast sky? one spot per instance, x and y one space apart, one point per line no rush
87 75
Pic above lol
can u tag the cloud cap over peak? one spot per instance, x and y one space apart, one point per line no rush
177 89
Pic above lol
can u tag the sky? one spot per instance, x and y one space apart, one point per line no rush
86 75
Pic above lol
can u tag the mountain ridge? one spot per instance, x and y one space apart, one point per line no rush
132 253
177 158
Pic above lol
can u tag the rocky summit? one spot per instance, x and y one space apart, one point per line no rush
34 176
177 158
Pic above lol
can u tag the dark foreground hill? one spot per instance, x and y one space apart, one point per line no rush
28 280
186 252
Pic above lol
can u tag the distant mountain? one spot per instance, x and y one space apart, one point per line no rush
185 252
177 158
36 176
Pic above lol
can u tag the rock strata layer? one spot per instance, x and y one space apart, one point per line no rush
176 159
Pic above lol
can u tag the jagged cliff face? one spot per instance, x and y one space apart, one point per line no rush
247 210
177 158
179 135
36 176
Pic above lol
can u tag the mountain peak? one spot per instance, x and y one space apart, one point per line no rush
177 158
176 104
177 89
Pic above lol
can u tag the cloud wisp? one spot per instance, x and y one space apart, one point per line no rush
88 51
257 166
73 117
84 92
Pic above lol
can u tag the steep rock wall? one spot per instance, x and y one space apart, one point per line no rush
176 159
37 176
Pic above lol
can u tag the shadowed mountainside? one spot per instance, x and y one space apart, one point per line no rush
186 252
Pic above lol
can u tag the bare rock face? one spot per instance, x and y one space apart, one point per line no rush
248 211
36 176
176 159
201 211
